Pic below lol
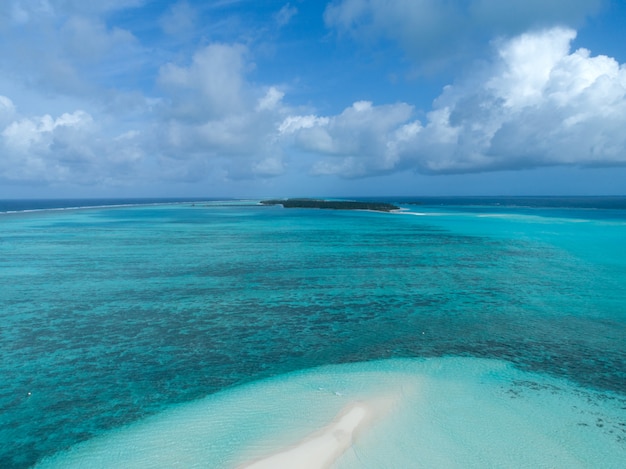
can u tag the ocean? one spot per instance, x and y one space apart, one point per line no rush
208 333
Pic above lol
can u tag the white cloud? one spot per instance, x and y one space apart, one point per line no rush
20 12
434 32
83 7
70 148
211 87
292 124
179 19
27 134
7 111
361 129
271 99
284 15
540 105
87 39
217 121
64 49
537 104
360 135
527 62
270 166
44 148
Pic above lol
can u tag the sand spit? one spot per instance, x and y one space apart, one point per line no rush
321 449
446 412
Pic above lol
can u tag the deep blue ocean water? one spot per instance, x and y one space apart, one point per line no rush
113 313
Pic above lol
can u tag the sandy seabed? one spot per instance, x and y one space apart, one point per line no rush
401 413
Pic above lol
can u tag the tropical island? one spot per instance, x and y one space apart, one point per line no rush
332 204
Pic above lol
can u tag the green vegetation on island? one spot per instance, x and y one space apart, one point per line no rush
332 204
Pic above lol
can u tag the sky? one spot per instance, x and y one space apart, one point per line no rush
252 98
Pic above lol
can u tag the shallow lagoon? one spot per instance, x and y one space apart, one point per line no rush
441 412
115 315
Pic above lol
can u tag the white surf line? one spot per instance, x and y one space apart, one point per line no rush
322 448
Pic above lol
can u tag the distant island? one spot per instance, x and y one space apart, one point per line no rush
332 204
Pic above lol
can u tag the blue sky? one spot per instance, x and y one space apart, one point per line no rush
252 98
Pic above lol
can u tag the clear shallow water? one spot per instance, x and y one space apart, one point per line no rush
111 315
441 412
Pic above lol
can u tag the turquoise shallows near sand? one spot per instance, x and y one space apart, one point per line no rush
109 316
441 412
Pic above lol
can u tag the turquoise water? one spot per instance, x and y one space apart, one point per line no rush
111 315
430 413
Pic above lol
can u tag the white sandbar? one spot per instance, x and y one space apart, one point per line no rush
464 413
320 450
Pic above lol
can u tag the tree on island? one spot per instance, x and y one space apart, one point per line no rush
332 204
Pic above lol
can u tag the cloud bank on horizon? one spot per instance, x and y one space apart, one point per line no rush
131 93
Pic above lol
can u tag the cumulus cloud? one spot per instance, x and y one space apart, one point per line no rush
360 134
271 99
213 117
71 117
211 86
67 148
434 32
540 105
209 121
536 104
